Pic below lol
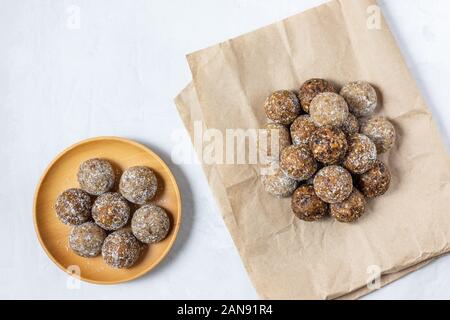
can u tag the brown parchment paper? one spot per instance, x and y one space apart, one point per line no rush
189 109
287 258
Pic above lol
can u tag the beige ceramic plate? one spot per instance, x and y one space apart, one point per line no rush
61 175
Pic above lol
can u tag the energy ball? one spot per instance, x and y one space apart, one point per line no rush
279 184
361 154
73 206
350 209
333 184
86 240
328 109
298 163
270 147
306 205
328 145
282 107
381 131
96 176
376 181
121 249
350 125
150 224
302 129
361 98
111 211
310 89
138 184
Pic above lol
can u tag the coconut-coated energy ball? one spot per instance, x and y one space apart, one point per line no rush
150 224
328 145
333 184
349 210
328 109
86 240
361 154
138 184
301 129
96 176
381 131
121 249
272 145
350 125
111 211
361 98
278 183
311 88
375 182
298 163
73 206
306 205
282 107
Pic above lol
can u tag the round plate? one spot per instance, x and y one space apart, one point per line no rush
61 174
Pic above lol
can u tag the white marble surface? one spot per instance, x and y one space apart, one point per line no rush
117 75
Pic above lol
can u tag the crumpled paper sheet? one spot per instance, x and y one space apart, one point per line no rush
189 109
291 259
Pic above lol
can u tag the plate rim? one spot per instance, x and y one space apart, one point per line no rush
124 140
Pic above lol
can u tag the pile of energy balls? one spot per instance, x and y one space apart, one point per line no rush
328 144
98 215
